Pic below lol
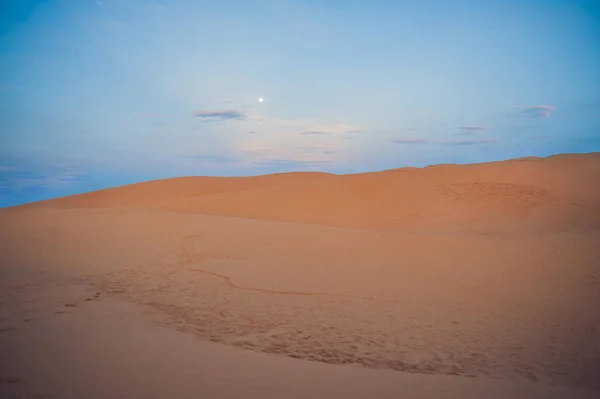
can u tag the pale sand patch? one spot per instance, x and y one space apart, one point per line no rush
107 348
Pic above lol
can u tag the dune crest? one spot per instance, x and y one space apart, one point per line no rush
558 193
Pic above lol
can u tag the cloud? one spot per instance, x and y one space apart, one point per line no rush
469 142
5 168
332 130
329 152
534 111
65 173
518 128
291 139
53 177
449 142
213 158
307 148
410 141
222 114
314 133
472 128
289 164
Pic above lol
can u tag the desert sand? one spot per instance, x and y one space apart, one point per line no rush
450 281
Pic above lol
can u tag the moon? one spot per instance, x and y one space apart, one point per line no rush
260 99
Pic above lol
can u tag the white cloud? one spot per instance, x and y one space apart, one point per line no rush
534 111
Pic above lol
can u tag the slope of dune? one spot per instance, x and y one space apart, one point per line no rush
447 281
175 189
556 193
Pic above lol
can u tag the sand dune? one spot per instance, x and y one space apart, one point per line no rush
556 193
473 279
176 189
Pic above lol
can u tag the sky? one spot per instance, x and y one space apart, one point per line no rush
102 93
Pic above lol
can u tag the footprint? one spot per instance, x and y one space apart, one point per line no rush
70 305
7 329
95 296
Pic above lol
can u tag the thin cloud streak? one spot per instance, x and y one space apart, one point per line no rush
448 142
314 133
294 164
221 114
534 111
469 142
213 158
410 141
332 129
58 176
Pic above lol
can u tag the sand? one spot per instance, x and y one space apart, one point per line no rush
448 281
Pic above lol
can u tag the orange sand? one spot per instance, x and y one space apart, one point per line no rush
447 281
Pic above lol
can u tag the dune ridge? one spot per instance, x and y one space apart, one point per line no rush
557 193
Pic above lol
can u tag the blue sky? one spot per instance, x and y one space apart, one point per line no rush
98 93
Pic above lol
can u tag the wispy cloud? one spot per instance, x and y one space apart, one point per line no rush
410 141
518 128
317 133
308 148
221 114
332 129
53 177
448 142
534 111
288 164
213 158
469 141
472 128
292 139
328 152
